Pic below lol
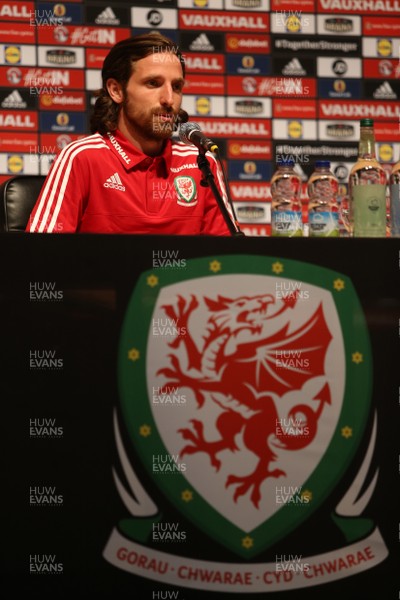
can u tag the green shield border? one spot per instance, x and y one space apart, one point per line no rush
354 414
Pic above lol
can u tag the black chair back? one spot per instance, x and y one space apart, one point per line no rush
18 197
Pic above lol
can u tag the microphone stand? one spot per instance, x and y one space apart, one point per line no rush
208 180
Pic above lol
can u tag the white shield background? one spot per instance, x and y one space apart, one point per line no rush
298 465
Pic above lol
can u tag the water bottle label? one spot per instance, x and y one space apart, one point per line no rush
287 223
395 210
323 224
369 203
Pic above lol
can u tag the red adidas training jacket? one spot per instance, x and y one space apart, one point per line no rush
103 184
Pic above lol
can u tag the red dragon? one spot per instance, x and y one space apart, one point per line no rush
241 373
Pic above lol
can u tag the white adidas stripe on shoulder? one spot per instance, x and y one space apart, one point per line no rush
58 178
176 145
181 149
183 153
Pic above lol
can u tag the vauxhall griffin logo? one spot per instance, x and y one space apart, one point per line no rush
277 400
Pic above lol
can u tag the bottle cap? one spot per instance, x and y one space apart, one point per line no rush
326 164
366 123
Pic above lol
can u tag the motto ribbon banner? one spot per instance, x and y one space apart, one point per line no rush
245 578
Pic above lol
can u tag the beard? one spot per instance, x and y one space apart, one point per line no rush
150 123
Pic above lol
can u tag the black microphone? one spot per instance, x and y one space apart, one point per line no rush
183 116
190 133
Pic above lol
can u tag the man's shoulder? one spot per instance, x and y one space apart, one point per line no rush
89 142
77 150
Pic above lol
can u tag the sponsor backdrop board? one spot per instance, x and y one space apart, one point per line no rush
260 72
208 418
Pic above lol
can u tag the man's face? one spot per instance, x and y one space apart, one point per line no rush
153 96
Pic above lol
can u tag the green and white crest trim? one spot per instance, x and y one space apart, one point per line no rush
186 189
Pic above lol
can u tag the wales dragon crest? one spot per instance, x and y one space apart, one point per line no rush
240 382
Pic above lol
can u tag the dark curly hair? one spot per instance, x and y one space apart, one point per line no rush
118 65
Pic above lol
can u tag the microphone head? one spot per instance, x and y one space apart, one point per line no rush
183 116
185 129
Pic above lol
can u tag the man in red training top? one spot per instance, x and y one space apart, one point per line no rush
129 176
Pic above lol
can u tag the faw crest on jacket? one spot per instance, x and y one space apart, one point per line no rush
245 391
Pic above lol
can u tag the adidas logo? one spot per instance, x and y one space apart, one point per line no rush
384 91
202 43
107 17
13 100
114 182
294 67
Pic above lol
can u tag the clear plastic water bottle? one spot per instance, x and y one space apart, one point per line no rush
394 184
367 187
286 216
323 207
